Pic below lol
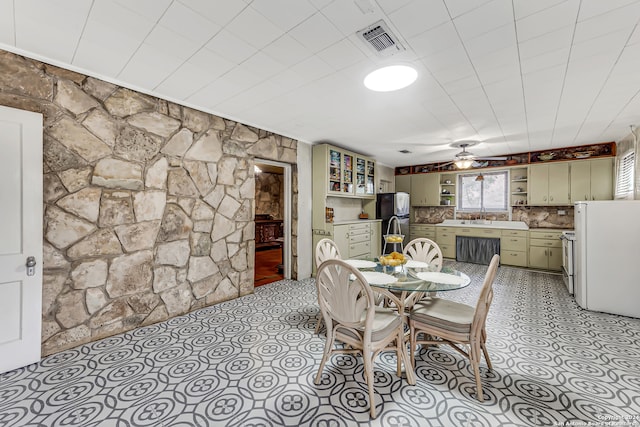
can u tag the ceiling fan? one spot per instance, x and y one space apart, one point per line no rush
465 159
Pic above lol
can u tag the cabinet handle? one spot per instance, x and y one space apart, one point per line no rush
346 235
546 252
550 197
544 198
550 252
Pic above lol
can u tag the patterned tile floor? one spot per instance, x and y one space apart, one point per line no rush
251 362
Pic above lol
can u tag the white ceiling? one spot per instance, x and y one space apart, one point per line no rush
518 75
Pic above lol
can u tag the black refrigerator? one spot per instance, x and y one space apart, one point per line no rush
389 205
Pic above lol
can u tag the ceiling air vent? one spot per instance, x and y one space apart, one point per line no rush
405 151
380 39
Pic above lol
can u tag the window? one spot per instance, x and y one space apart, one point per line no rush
625 176
489 193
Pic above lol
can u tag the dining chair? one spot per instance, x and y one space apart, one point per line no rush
457 324
353 319
427 251
325 249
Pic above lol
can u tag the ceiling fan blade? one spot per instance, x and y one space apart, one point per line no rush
490 158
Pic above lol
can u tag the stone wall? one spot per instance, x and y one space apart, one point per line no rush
270 195
149 205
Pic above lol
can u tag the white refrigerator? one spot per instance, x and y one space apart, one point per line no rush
607 251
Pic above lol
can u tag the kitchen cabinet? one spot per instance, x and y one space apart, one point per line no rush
446 239
425 189
514 243
513 247
365 177
375 242
354 240
549 184
448 189
591 179
403 183
343 173
427 231
519 186
545 249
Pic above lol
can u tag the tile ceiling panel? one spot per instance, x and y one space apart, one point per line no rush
36 31
253 28
435 40
151 10
184 81
347 18
524 8
149 66
296 12
485 18
198 29
341 55
551 19
523 75
219 11
316 33
419 16
286 50
460 7
231 47
545 43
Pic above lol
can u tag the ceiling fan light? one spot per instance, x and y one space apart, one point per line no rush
463 163
393 77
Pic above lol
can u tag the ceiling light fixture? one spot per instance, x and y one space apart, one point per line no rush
463 163
393 77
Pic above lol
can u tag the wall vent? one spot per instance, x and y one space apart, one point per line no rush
380 39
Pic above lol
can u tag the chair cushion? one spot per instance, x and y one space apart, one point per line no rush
384 322
445 314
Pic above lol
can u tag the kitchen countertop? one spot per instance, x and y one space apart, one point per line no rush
355 221
505 225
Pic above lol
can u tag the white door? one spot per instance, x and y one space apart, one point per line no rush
20 237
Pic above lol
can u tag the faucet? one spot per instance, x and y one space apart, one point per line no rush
483 213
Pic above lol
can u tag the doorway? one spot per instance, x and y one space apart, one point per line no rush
272 221
20 238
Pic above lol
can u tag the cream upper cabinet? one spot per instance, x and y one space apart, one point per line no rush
338 172
549 184
580 181
365 176
403 183
425 189
592 179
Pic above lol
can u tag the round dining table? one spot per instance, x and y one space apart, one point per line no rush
406 284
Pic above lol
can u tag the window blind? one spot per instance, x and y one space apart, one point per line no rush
625 176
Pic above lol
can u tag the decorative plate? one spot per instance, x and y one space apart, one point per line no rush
377 278
416 264
360 263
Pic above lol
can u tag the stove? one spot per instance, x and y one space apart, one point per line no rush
568 259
